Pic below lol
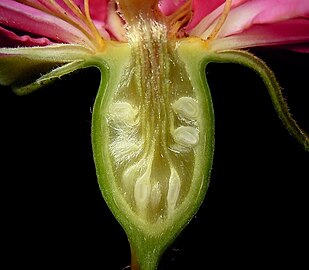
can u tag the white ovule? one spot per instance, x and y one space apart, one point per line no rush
186 136
186 107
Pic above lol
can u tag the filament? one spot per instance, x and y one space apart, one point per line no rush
86 18
179 18
74 8
69 18
214 33
76 17
91 25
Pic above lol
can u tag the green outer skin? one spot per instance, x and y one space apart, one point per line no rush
148 244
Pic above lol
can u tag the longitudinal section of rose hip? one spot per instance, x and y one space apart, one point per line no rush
153 121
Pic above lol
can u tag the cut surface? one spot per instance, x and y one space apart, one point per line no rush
155 124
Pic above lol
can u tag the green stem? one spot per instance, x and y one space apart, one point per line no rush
246 59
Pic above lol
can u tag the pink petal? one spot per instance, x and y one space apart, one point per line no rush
106 19
204 16
168 7
294 33
262 12
301 48
283 10
202 8
22 17
114 24
34 3
99 13
58 8
10 39
103 14
99 10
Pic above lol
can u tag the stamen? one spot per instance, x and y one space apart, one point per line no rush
56 6
85 18
74 8
91 24
179 19
221 21
77 18
64 15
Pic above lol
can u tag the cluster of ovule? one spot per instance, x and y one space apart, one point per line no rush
153 126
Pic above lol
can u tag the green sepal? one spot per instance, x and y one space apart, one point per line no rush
260 67
48 78
22 68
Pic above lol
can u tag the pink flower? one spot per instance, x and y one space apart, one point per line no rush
153 120
45 22
258 23
245 23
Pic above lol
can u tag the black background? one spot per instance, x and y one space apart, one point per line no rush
255 211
